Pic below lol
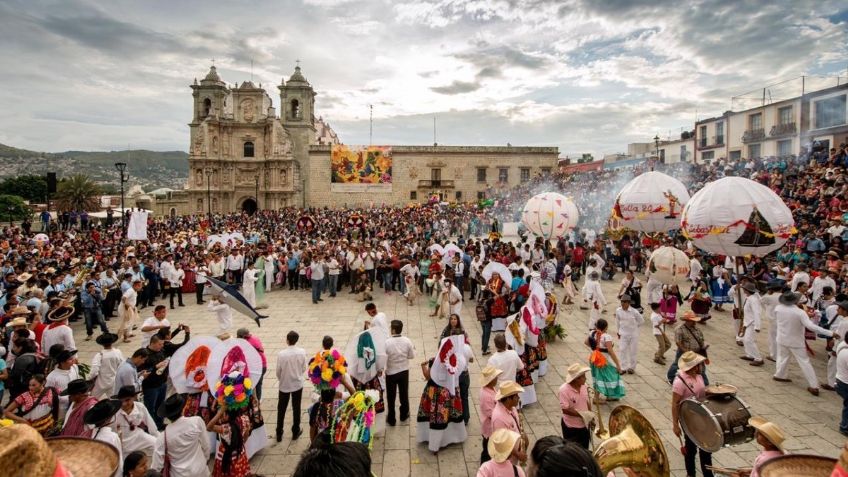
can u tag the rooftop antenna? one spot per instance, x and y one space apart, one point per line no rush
434 131
370 123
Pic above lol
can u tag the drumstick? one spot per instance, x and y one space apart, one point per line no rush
682 446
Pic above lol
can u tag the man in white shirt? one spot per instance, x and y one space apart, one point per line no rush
507 360
187 441
222 311
399 350
695 269
291 366
800 275
628 320
821 281
791 322
234 265
770 302
837 316
751 323
58 331
317 269
152 325
842 384
454 298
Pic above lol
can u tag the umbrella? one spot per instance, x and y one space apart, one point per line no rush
500 269
232 297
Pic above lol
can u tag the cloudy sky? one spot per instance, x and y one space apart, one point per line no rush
583 75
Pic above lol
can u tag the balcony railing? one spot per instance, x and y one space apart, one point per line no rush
783 129
437 183
710 142
754 135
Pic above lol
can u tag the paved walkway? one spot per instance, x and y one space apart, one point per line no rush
810 422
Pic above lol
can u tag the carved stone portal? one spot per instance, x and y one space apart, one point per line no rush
247 110
413 172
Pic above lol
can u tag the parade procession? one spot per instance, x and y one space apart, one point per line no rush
457 291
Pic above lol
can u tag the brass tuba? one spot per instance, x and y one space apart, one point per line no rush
634 444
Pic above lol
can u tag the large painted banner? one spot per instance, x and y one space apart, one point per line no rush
361 168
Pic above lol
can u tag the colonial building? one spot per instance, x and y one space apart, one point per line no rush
243 156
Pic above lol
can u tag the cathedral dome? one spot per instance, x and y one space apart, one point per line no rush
297 77
212 77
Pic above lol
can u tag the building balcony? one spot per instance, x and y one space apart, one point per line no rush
753 135
710 143
435 184
786 129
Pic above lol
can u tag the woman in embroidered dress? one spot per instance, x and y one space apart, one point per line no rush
720 287
39 407
233 425
367 363
606 375
440 409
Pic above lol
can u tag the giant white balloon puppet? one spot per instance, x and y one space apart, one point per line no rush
736 216
651 203
550 215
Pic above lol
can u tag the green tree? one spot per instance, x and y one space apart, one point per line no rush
78 192
13 206
31 187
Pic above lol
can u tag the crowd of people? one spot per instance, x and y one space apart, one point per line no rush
449 255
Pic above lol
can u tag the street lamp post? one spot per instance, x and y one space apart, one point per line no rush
657 143
10 209
208 192
122 167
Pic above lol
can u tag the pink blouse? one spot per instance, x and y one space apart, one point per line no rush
684 381
503 418
762 457
504 469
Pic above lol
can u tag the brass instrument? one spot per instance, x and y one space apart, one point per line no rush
600 432
634 445
80 278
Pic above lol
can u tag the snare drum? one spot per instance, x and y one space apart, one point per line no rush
716 422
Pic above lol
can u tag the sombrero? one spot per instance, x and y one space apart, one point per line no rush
60 313
87 457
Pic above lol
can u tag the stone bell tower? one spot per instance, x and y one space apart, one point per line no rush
297 113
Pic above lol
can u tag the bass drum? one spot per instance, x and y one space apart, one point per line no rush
716 423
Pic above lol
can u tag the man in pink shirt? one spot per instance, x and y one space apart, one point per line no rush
487 404
505 413
770 436
574 402
254 341
504 447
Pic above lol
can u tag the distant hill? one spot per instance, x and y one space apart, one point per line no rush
149 169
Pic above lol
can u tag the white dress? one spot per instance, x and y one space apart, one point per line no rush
269 271
132 433
248 289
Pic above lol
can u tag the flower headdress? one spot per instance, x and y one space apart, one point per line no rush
354 419
326 369
234 388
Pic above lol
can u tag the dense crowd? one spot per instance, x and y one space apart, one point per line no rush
90 273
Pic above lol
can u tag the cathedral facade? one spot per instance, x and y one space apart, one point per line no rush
243 156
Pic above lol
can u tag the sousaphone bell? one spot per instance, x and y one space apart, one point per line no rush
634 444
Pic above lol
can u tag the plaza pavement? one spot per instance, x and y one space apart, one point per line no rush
811 423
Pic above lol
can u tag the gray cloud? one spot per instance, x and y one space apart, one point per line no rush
457 87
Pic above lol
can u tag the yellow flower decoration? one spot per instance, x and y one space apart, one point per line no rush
228 390
327 374
248 384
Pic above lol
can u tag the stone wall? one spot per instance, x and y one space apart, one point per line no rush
412 173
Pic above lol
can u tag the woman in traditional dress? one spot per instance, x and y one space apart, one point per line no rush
440 409
233 425
568 285
720 287
606 375
248 289
38 407
366 355
455 328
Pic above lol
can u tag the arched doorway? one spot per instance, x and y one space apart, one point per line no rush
249 206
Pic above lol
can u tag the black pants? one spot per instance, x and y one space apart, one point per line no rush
464 384
198 292
282 404
397 383
292 277
178 292
579 435
689 459
484 454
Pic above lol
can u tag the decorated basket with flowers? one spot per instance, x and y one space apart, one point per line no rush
233 391
326 369
355 418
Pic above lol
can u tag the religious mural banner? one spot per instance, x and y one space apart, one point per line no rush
361 168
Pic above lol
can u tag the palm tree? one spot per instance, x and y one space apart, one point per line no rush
78 192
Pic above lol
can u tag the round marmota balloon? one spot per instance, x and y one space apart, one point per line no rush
549 215
651 202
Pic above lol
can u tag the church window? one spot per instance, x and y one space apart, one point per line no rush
295 109
503 174
525 174
481 195
284 177
248 149
481 174
413 195
200 205
207 107
458 195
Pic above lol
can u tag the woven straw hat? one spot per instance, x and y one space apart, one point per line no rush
501 444
508 388
23 448
770 430
86 457
689 360
690 315
575 371
490 373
